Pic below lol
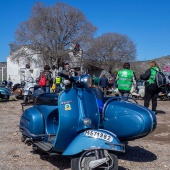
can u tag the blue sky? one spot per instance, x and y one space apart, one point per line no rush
146 22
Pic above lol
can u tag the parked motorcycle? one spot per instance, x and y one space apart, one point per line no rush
28 90
68 124
164 94
18 89
4 91
139 92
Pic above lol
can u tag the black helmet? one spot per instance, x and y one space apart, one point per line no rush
27 66
22 83
4 83
10 83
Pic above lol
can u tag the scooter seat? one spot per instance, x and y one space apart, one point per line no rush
46 99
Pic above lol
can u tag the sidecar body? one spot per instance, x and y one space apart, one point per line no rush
127 119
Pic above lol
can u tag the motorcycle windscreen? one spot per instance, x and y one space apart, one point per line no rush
127 120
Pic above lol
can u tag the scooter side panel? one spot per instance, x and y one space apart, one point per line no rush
128 120
32 120
86 141
50 117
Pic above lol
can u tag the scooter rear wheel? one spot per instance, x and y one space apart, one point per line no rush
81 162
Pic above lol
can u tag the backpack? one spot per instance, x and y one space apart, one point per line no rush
42 81
160 79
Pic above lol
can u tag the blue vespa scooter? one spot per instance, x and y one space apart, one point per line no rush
68 124
4 92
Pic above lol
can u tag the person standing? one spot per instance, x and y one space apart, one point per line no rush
103 83
151 89
95 81
48 78
125 80
28 73
70 72
57 82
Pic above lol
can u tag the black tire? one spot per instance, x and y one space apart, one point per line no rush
81 162
4 97
25 100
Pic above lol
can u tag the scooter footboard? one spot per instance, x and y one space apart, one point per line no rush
94 139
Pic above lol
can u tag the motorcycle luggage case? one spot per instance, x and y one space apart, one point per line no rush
128 120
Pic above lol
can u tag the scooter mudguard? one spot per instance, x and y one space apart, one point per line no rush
128 120
94 139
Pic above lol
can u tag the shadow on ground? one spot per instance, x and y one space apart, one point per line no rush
137 154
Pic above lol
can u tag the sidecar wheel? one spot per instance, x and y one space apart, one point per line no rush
81 162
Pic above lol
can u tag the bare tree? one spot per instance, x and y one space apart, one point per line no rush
110 50
52 30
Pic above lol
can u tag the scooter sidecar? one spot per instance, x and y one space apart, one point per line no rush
126 119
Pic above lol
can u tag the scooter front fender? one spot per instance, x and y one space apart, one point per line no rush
94 139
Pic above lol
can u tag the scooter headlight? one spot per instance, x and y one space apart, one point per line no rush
86 80
87 122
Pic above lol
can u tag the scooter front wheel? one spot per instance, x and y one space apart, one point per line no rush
95 159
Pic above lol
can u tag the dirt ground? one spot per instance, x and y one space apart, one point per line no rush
149 153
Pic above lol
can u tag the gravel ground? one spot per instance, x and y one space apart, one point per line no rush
149 153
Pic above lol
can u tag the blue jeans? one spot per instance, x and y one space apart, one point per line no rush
46 89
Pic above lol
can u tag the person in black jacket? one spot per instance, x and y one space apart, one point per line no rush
151 89
103 83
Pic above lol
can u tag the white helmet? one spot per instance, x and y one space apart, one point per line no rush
66 82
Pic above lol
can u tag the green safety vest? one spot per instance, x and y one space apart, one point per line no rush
153 74
57 80
96 80
125 78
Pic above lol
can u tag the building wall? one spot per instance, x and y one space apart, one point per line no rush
13 71
3 71
16 70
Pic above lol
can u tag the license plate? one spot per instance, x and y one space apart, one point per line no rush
100 135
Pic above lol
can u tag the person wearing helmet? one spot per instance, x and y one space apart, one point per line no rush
4 83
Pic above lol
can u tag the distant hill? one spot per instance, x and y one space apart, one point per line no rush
140 67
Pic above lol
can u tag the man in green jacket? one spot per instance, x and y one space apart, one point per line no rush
125 80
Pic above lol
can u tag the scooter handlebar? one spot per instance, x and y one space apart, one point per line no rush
67 77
